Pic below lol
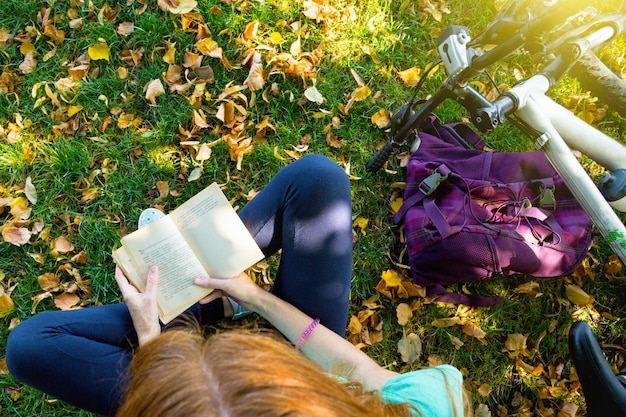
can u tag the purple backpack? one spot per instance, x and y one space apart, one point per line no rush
470 214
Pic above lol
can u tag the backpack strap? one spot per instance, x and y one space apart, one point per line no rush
458 298
458 134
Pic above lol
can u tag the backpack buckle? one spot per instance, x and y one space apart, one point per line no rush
430 183
547 199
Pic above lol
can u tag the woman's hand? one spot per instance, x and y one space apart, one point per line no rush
240 288
142 306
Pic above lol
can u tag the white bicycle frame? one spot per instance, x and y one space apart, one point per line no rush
559 130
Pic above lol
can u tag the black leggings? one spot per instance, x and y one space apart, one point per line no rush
81 356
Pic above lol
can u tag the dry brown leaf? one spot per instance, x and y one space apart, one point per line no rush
164 189
30 191
125 120
199 119
153 89
17 236
192 60
482 410
5 37
126 28
458 343
62 245
413 290
79 72
530 287
515 344
333 140
484 390
204 153
66 301
568 410
80 258
448 322
613 265
410 348
473 330
404 313
28 64
49 281
179 6
256 77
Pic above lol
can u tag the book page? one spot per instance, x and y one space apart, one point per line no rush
161 244
220 239
125 262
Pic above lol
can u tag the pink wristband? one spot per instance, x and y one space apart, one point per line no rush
307 333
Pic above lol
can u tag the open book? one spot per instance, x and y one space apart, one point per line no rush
202 237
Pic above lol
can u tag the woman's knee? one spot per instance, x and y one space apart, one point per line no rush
319 174
25 344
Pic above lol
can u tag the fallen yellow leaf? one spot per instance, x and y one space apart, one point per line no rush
6 303
361 223
251 29
362 93
72 110
99 51
20 209
184 6
27 47
381 118
396 204
410 76
391 278
577 296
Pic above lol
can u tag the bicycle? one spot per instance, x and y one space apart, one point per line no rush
568 46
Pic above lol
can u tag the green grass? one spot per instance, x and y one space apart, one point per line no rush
121 167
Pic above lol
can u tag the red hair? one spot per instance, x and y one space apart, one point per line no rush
238 374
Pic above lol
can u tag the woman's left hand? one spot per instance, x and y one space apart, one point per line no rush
142 305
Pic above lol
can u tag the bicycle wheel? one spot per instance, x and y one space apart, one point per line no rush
517 14
512 16
601 82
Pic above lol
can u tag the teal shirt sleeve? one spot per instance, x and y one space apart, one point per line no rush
436 392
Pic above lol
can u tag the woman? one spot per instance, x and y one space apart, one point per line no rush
178 373
83 356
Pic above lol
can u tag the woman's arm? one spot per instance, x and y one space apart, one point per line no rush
323 346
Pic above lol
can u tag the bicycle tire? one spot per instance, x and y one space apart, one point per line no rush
603 83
